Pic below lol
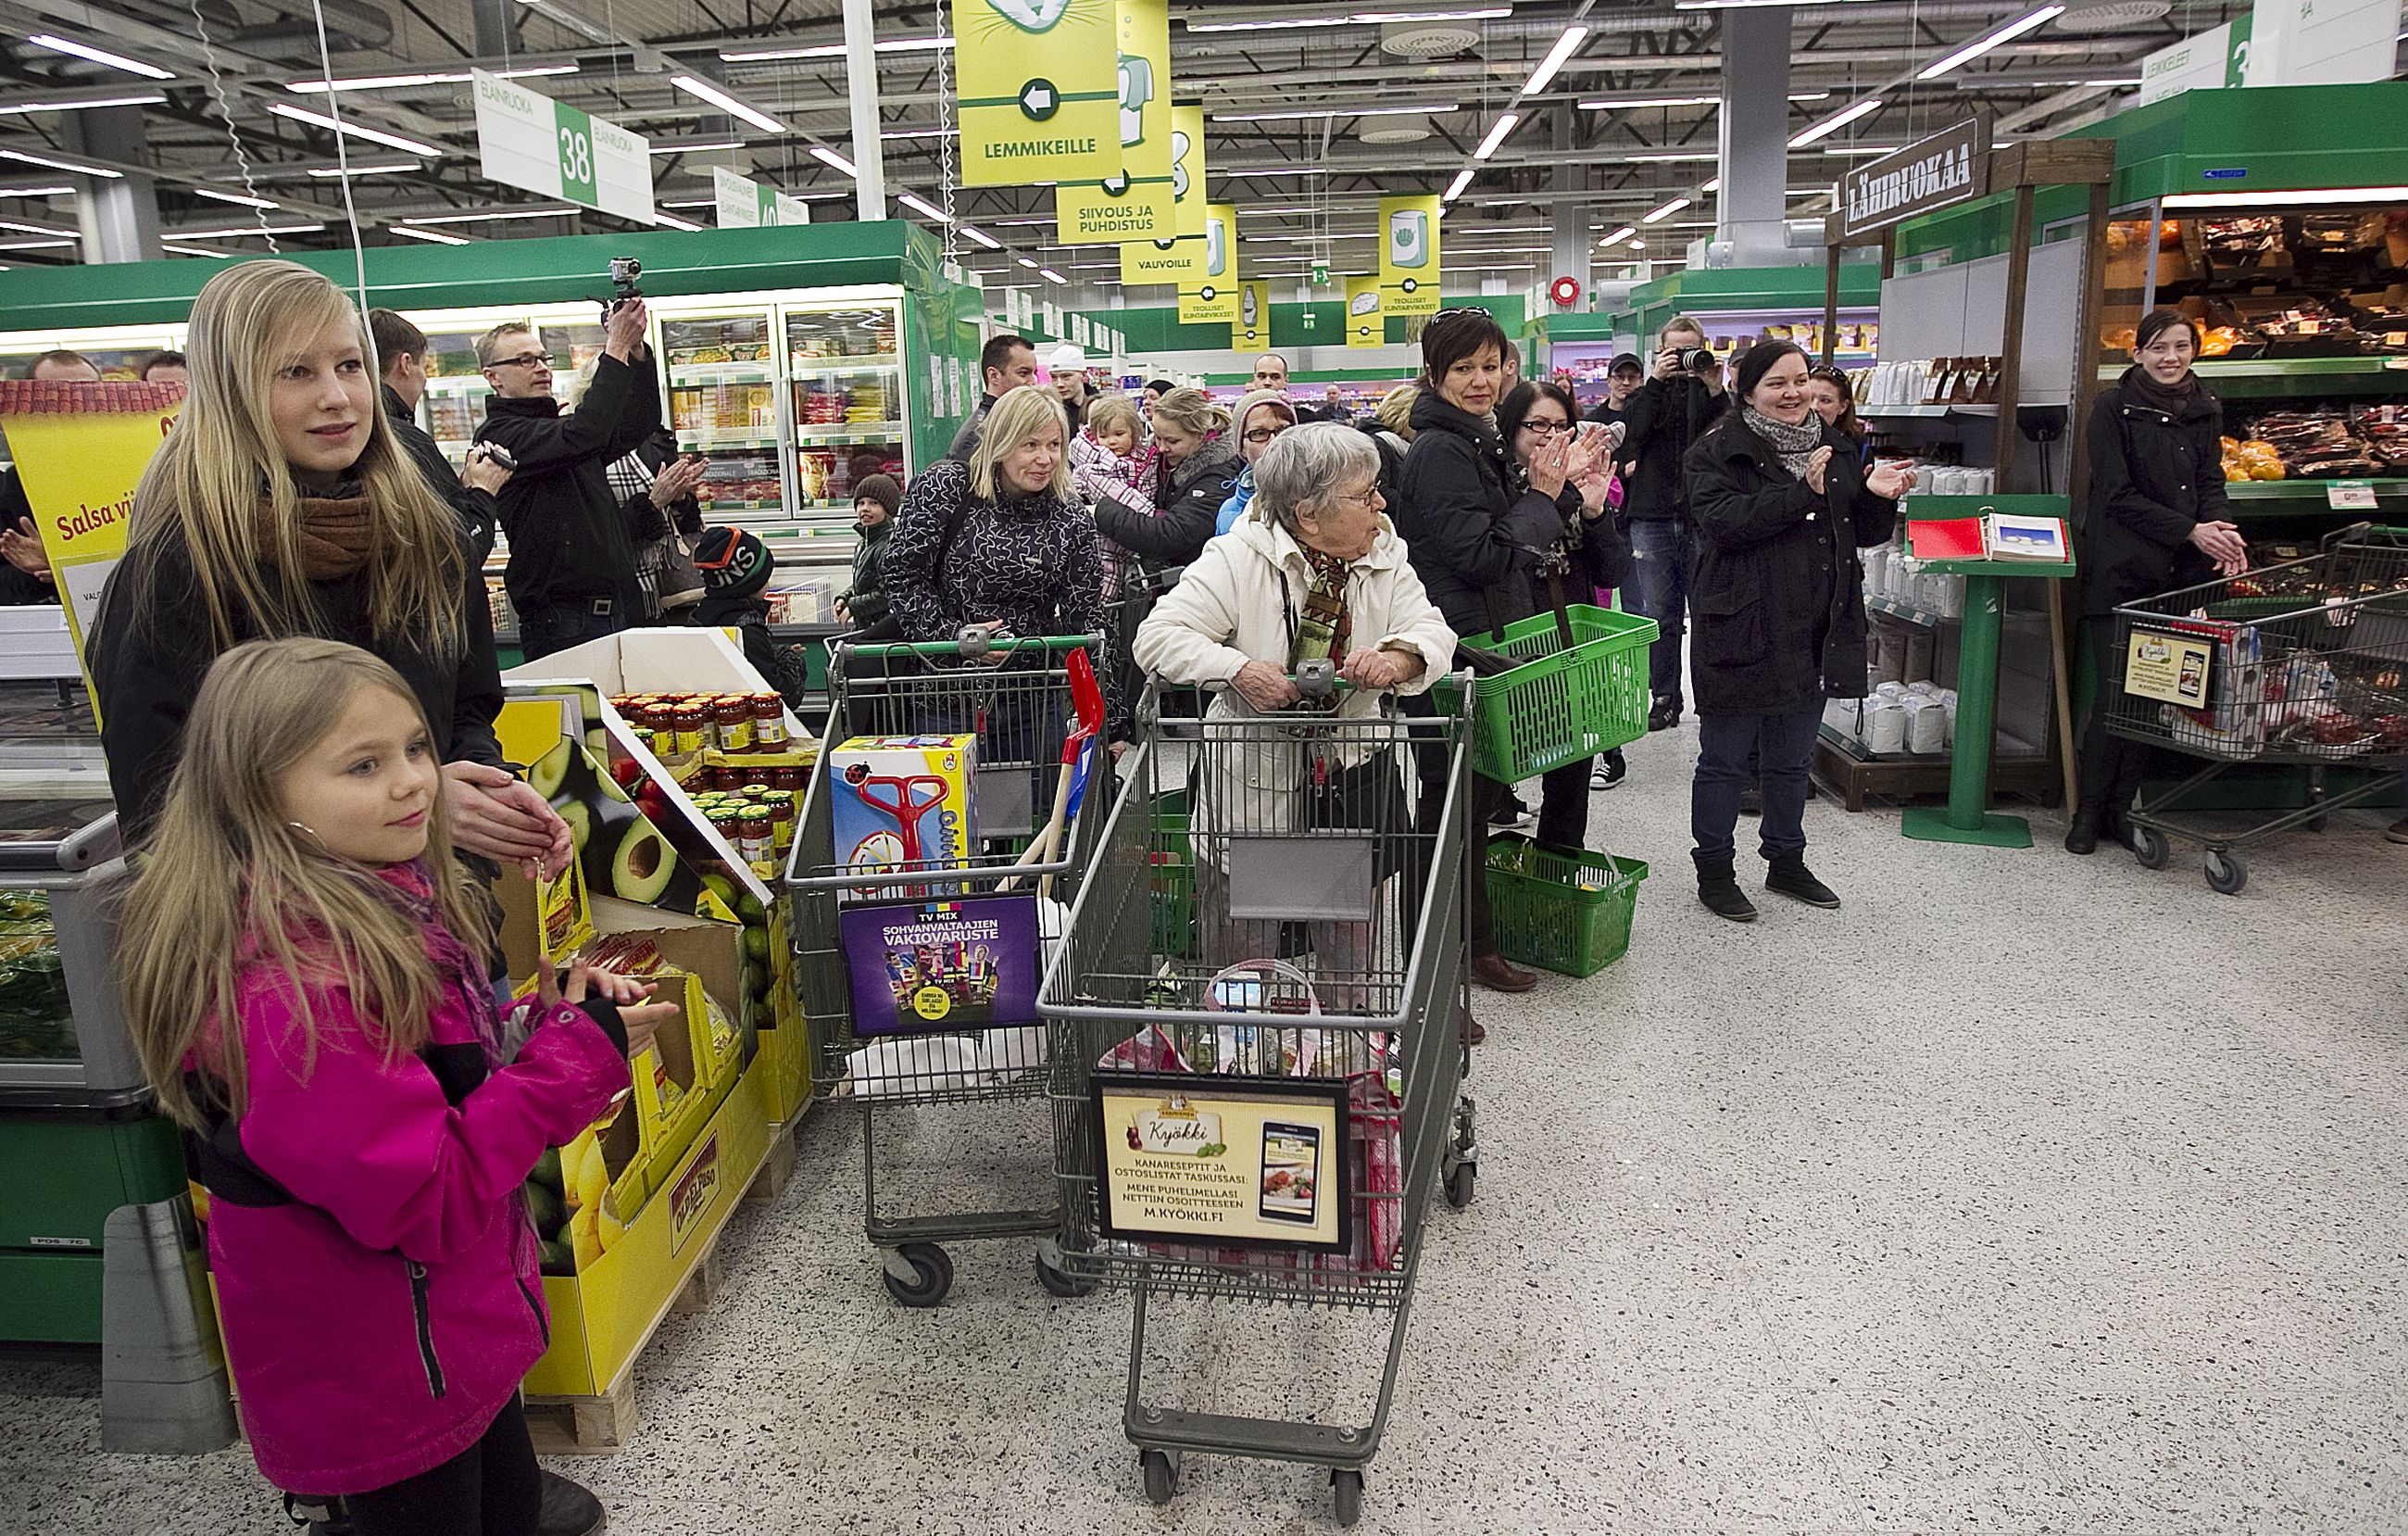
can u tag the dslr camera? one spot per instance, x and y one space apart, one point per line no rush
1692 359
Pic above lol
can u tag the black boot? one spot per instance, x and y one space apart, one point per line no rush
569 1510
1664 714
1790 877
2082 833
1719 890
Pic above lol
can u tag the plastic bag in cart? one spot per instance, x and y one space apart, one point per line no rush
915 1063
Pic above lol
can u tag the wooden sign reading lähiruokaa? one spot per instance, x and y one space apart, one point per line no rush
1950 166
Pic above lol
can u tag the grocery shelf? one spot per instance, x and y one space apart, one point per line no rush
2276 497
857 362
848 433
700 375
1875 414
457 383
742 437
2260 377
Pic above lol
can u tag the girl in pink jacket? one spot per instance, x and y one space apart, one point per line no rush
306 981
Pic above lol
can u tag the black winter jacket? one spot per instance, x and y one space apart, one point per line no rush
569 540
1475 534
866 599
2152 478
152 644
1665 418
1777 607
477 510
1031 561
18 588
1189 496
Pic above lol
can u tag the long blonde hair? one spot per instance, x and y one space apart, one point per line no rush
230 881
205 485
1192 410
1014 418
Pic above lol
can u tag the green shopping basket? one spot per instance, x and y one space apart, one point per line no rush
1559 706
1171 854
1570 915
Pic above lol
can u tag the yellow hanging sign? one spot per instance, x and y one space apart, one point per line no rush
1176 258
1039 92
1367 323
1409 255
1252 330
1140 202
1210 296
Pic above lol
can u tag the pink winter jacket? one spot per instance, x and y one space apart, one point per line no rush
377 1322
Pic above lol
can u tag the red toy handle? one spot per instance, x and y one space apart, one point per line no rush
905 804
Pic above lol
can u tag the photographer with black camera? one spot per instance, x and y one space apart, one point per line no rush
572 569
1683 397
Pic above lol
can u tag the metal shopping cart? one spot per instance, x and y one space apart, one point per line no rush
2303 662
1256 1063
905 954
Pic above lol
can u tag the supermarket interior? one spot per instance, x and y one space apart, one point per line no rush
1759 626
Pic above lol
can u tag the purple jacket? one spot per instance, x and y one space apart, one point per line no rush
377 1321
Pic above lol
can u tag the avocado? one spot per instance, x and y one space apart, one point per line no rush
550 770
547 1171
558 1258
640 869
722 887
579 817
756 944
750 911
544 1207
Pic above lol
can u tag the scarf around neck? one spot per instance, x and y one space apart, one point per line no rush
1795 444
338 533
2173 402
1326 627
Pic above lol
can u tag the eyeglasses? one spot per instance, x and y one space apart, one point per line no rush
1368 500
1827 373
1544 428
1260 434
524 360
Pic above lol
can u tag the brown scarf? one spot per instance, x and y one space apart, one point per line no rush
336 534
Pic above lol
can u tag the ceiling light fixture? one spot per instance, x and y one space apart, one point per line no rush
1622 105
241 232
1351 19
1831 126
1026 262
1566 45
356 130
31 229
36 191
36 245
1620 235
1714 185
195 250
922 206
237 198
319 87
694 85
675 223
833 51
1496 135
1315 113
1050 275
971 232
905 134
694 146
57 44
827 156
1665 212
1980 45
52 104
1670 156
1462 179
26 157
433 236
362 168
2286 199
496 213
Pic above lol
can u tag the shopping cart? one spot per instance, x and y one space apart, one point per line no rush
2303 662
1289 1034
1031 703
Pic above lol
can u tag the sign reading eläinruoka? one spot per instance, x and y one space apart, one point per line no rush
527 141
1950 166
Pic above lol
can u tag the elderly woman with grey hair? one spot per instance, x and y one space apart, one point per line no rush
1312 572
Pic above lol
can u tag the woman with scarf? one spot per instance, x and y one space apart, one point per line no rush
2155 522
1777 614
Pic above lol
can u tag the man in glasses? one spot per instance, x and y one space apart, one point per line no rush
572 569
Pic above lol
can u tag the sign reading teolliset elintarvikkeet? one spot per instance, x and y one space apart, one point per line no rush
1950 166
527 140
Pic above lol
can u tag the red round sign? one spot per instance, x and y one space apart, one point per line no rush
1566 292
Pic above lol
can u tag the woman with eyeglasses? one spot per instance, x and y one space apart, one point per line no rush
1591 553
1478 525
1262 415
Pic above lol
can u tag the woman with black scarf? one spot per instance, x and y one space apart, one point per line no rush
2155 522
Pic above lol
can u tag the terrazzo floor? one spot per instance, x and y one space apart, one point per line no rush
2026 1194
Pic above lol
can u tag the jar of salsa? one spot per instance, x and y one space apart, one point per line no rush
787 780
769 722
756 836
693 733
735 715
782 822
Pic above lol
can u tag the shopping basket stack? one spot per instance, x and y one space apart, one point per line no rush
2303 662
1255 1104
910 926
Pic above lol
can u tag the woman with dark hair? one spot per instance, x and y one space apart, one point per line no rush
1478 526
2155 521
1834 399
1777 618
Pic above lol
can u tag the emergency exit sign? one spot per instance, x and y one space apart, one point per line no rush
527 140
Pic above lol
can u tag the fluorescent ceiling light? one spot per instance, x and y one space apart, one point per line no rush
433 237
36 191
905 134
403 83
827 156
16 108
1666 211
243 232
1743 5
36 245
1026 262
694 146
32 229
237 198
695 86
1669 156
99 55
833 51
1501 251
356 130
1980 45
1620 235
26 157
971 232
1462 179
1566 45
1316 112
674 221
195 250
922 206
496 213
1624 105
1050 275
362 168
1861 148
1714 185
2286 199
1831 126
1497 133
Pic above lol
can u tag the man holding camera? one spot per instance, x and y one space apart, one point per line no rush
572 570
1683 397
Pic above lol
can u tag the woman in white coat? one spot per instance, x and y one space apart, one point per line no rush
1314 572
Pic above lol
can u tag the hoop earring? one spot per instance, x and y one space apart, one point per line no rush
304 826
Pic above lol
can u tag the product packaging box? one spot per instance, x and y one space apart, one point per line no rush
903 804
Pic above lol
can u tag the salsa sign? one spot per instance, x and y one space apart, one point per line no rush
1950 166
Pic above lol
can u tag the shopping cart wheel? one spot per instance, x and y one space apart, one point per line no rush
2226 873
1161 1475
1347 1486
932 1270
2150 847
1459 1184
1060 1282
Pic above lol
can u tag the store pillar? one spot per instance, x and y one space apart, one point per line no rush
1755 137
861 79
120 215
1573 231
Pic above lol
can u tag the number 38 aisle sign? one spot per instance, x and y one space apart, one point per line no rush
554 149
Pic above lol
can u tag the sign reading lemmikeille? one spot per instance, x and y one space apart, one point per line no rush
1950 166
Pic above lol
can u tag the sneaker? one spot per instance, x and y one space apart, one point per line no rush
1509 813
1665 715
2397 831
1612 769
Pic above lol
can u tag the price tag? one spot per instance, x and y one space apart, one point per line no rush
2350 496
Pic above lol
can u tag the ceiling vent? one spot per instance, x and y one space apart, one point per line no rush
1432 40
1395 128
2112 15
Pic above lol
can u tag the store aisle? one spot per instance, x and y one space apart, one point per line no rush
2026 1194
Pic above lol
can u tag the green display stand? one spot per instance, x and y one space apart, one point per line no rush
89 1163
1967 817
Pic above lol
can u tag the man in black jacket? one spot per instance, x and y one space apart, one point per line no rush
401 353
1671 411
1005 362
572 570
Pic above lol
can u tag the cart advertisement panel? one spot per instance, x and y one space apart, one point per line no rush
1223 1161
942 966
2169 667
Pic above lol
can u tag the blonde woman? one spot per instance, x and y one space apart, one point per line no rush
1193 465
282 504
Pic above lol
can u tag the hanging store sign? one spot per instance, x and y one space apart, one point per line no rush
1367 323
743 203
1225 1161
1252 330
1177 257
1140 202
1040 100
1950 166
1409 255
1210 296
2211 61
527 141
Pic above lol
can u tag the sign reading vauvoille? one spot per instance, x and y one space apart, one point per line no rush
1950 166
527 140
